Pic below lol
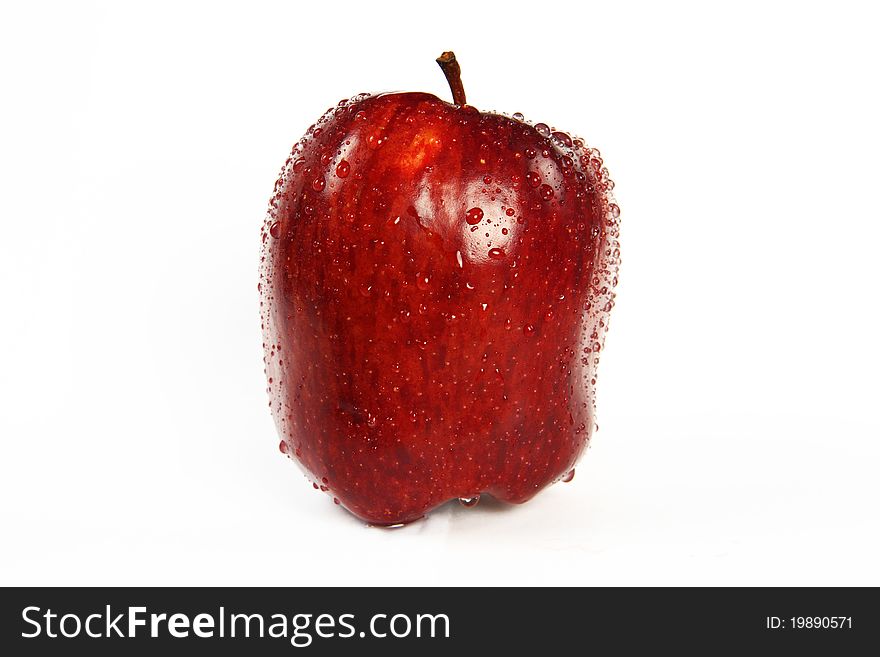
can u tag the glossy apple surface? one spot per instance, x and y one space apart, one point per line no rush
435 292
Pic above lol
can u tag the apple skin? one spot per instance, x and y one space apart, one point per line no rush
435 291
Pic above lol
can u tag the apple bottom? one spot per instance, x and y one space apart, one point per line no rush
403 518
388 481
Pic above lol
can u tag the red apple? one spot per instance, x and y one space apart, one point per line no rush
435 290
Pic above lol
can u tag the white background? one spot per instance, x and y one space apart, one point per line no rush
739 439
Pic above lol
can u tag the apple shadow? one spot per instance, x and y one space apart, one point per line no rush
453 511
487 504
488 510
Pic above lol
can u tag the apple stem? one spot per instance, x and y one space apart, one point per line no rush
452 71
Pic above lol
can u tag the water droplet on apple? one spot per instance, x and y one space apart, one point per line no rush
343 169
509 212
470 502
459 259
423 282
546 192
533 179
319 183
563 138
474 216
614 209
496 253
543 129
282 447
275 230
529 329
518 116
568 477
